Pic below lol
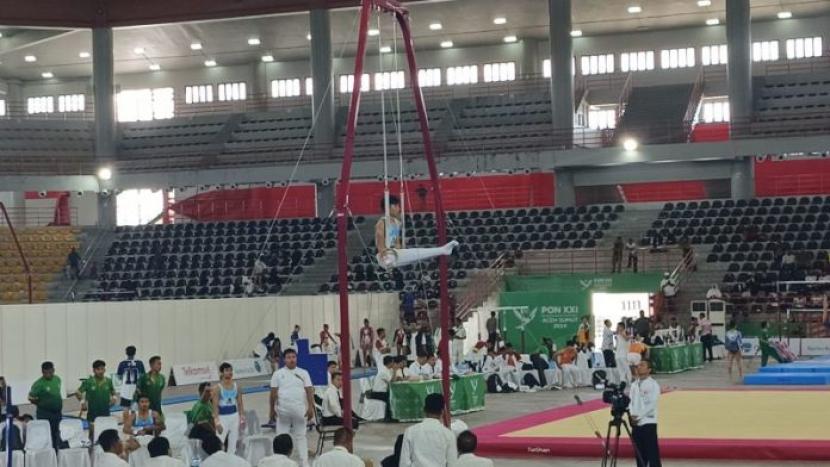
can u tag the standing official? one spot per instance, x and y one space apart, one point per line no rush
645 394
47 396
292 402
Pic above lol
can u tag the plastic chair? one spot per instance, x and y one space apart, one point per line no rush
72 431
323 432
140 457
17 459
39 451
257 447
102 424
74 457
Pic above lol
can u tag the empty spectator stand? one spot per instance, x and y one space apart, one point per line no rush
34 146
789 105
188 139
46 250
279 134
484 237
201 260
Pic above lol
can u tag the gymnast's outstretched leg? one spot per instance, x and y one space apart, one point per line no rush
396 258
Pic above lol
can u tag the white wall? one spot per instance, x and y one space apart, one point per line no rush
72 335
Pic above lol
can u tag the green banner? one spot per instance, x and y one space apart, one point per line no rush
618 283
541 314
407 398
676 358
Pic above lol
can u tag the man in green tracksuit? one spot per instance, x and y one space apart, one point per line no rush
97 394
766 349
152 384
46 395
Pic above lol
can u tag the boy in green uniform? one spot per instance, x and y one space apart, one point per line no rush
97 394
47 397
152 384
202 417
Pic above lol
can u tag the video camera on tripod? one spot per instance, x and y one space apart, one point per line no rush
614 394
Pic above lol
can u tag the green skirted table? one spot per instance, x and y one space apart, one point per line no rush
407 398
676 358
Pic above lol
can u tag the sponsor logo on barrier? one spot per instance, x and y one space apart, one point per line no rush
195 373
533 450
250 368
815 347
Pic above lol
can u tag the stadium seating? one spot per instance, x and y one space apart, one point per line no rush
208 259
45 248
179 136
792 105
43 138
484 236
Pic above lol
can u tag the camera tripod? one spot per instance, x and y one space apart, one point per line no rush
615 426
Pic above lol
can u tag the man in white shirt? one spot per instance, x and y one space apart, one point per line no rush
159 449
219 458
467 443
459 336
292 402
645 395
341 455
380 385
608 345
332 408
282 453
113 450
510 365
420 368
381 347
429 443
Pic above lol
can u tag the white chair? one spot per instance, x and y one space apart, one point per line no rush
585 373
195 449
253 425
39 451
553 376
176 433
17 459
140 457
72 431
256 447
370 410
103 424
74 457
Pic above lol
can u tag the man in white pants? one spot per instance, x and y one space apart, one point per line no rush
459 335
227 404
292 402
392 253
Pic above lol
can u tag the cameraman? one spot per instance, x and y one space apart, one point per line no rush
645 393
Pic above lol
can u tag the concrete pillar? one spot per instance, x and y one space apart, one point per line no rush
15 104
325 199
564 191
260 90
321 74
530 65
562 83
104 87
742 178
107 210
739 68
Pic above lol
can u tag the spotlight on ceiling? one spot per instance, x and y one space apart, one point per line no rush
374 32
712 22
634 9
154 67
84 54
785 14
704 3
630 144
105 173
510 39
254 41
196 46
436 26
267 58
500 20
210 63
446 44
47 75
30 58
576 33
138 50
385 49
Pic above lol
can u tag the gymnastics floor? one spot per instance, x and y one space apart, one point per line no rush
743 424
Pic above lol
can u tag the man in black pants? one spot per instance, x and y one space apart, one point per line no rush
47 396
706 337
645 394
380 386
608 345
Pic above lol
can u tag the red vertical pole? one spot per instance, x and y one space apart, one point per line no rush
342 215
440 221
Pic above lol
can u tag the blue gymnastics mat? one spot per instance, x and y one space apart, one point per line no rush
787 379
796 368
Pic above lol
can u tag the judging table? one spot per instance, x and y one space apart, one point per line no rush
676 358
407 397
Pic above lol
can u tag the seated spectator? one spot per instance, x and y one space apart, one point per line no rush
637 351
714 293
395 459
510 365
113 450
283 446
567 361
205 424
332 405
17 430
467 443
420 368
159 449
219 458
342 453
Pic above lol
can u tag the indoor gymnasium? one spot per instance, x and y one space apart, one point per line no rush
424 233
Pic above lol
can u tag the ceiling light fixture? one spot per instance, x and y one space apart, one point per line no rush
703 3
1 35
210 63
267 58
385 49
374 32
712 22
510 39
138 50
634 9
84 55
254 41
196 46
30 58
785 14
436 26
500 20
105 173
154 67
576 33
630 144
308 36
446 44
47 75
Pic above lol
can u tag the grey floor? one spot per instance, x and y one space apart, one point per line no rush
375 441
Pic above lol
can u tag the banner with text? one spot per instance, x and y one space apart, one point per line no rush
615 283
195 373
250 368
541 314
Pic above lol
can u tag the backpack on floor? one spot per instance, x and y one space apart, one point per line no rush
599 377
530 381
494 384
